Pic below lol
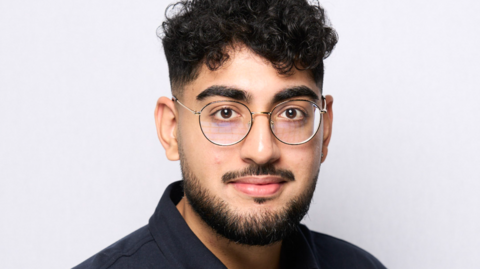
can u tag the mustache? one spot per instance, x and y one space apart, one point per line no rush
259 170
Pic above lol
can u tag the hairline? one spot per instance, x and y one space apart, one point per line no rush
178 87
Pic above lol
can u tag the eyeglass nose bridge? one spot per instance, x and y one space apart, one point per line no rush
265 113
261 113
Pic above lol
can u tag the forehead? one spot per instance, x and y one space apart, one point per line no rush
250 73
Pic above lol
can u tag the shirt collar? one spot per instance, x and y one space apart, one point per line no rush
184 250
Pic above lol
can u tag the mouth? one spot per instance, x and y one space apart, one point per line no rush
258 186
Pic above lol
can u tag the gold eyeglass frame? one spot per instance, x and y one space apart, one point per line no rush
322 111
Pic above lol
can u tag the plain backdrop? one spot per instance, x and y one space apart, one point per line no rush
81 165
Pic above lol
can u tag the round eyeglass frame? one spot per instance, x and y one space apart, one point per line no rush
322 111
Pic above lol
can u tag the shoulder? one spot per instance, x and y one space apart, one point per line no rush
332 252
130 251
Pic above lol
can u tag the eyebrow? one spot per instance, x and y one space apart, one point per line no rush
297 91
215 90
241 95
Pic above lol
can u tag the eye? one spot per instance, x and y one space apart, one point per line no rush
292 114
225 113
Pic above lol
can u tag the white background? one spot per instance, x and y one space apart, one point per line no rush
81 166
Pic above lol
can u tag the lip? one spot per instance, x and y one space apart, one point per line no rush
258 186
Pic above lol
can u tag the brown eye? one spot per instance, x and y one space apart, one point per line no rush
226 113
290 113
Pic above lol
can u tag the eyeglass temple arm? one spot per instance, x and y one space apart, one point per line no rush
175 99
324 108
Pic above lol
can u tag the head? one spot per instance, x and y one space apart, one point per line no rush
258 53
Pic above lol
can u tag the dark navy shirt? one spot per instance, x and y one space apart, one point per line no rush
168 242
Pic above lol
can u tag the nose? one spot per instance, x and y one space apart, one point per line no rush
260 146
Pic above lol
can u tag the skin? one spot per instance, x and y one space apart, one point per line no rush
177 126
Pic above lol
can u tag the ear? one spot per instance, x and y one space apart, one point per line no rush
166 122
327 126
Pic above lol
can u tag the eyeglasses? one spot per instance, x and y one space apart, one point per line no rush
226 122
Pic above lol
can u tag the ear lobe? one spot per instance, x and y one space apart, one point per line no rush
166 123
327 126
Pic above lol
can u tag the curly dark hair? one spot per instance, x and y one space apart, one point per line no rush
288 33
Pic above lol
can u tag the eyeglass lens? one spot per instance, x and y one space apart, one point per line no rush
292 122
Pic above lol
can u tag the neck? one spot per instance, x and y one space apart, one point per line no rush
231 254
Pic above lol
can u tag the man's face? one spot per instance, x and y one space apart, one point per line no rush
268 180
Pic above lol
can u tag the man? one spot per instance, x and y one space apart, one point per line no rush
250 127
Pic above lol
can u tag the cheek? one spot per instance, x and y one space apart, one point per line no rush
217 159
304 160
209 156
206 161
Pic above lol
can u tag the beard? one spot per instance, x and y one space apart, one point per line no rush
256 228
